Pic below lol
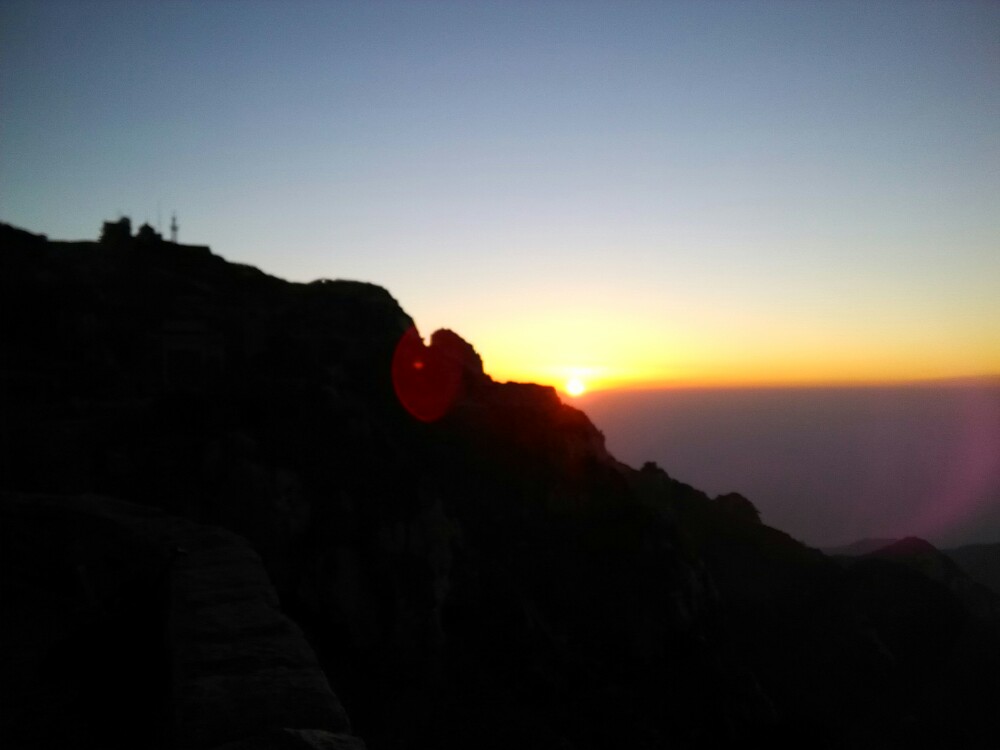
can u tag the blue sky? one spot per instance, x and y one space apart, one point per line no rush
742 187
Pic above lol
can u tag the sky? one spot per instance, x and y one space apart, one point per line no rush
630 194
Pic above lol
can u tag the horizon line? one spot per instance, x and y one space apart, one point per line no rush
988 379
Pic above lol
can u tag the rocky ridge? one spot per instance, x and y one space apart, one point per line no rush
491 577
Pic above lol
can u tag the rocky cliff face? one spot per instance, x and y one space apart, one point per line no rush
128 628
471 566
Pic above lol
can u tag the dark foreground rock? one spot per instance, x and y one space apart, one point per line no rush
137 629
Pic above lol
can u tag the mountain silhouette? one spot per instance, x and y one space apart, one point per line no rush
981 562
301 512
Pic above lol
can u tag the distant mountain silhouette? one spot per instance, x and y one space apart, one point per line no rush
940 566
923 557
981 562
862 547
469 564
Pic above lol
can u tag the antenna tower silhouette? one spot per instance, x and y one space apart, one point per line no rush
173 227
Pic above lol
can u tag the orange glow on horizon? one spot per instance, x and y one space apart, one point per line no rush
680 371
652 340
620 382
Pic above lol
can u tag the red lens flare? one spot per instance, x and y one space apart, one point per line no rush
426 380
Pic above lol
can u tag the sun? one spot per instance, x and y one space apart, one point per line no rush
575 387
